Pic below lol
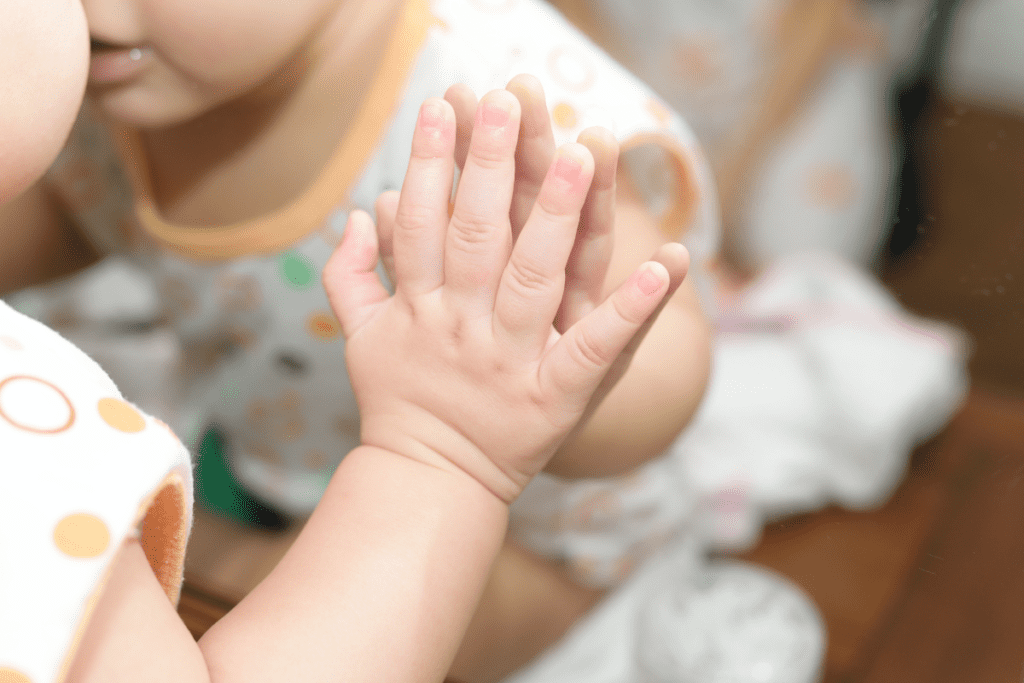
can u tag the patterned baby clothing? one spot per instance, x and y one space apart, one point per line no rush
82 470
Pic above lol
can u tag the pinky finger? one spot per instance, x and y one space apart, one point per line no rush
575 365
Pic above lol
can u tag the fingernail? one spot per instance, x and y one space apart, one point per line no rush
568 169
495 114
432 115
648 282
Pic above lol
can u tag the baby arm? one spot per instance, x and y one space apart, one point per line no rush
465 388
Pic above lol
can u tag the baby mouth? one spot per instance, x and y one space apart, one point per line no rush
112 64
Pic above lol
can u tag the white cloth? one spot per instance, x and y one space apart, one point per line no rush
679 619
822 385
82 469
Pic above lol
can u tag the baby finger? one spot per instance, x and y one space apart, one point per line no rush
575 366
534 279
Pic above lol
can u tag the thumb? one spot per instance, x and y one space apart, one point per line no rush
350 276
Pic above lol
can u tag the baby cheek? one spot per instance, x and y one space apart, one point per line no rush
44 52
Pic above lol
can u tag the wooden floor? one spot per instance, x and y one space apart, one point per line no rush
930 587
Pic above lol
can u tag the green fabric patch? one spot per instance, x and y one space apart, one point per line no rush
297 271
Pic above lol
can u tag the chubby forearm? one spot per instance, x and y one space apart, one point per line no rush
651 403
379 586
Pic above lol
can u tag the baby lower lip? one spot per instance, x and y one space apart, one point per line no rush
110 66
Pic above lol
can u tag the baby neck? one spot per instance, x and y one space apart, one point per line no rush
263 148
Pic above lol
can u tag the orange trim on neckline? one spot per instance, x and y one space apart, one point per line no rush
276 231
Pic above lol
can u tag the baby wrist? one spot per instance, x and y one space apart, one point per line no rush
455 456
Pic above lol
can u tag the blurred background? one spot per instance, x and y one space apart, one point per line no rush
929 585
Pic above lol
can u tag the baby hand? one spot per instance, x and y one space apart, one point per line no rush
586 271
462 368
535 150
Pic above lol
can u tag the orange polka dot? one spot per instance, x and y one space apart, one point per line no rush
315 459
291 400
564 115
34 405
179 296
241 336
698 60
571 68
264 452
600 507
347 426
204 355
12 676
81 535
292 429
63 315
238 293
121 416
256 414
11 343
832 186
323 326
